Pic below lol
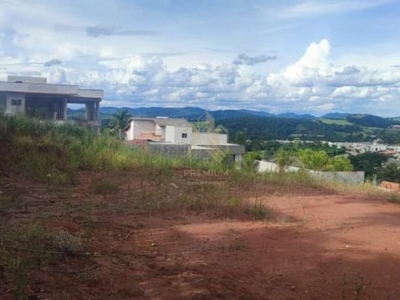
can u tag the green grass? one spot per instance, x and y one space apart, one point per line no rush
55 153
260 211
337 122
33 246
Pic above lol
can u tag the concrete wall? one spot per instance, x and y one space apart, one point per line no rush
58 89
266 166
90 93
203 154
170 149
27 79
90 112
209 138
346 177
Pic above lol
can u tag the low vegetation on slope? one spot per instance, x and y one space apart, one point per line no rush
56 153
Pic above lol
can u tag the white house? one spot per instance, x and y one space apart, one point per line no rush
366 147
174 131
166 134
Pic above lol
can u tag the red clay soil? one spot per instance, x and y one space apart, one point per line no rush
320 247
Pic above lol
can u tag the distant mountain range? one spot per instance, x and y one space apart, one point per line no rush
263 126
194 113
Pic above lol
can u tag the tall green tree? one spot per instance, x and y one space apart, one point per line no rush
119 121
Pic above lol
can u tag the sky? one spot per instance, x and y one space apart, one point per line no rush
302 56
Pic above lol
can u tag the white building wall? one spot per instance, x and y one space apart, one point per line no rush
159 130
169 134
178 135
129 133
378 147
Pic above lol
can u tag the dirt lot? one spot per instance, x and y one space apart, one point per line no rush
319 245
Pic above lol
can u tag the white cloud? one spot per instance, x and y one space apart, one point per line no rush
312 67
311 84
308 8
142 54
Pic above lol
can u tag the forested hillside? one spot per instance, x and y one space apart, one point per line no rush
260 126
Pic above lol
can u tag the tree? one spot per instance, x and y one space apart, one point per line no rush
320 161
119 121
249 158
341 164
369 162
240 138
314 160
390 173
283 159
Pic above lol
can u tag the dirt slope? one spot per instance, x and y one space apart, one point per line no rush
320 246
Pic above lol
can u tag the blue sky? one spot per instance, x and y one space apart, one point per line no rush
303 56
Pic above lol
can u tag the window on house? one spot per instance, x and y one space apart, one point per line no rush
184 135
16 102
